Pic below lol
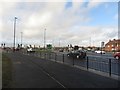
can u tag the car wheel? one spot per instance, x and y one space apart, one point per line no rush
117 57
68 55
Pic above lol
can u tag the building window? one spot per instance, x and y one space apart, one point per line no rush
117 45
112 45
113 49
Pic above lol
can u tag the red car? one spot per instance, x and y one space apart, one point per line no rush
117 55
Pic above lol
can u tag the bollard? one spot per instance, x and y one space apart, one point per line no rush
87 63
63 58
109 67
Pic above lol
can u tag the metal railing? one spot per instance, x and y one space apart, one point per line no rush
108 65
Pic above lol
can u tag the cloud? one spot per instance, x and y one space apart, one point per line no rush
116 16
111 32
66 25
94 3
36 20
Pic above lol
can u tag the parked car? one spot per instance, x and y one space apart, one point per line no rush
99 51
117 55
77 54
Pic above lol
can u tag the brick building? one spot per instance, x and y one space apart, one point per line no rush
113 45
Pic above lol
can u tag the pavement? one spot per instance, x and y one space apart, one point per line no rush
33 72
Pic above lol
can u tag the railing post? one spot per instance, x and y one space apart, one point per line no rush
50 56
109 67
63 58
73 60
35 53
40 54
87 63
44 55
55 56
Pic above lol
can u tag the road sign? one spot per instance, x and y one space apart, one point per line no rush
49 46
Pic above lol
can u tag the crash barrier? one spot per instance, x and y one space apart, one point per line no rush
107 65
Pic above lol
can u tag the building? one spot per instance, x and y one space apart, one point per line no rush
113 45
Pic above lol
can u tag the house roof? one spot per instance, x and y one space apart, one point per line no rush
113 42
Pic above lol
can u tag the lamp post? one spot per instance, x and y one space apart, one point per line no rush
59 42
115 46
21 38
102 45
14 33
44 38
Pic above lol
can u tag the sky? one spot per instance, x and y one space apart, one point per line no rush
64 22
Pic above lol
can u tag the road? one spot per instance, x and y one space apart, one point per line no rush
33 72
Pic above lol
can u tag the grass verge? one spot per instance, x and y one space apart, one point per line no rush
6 71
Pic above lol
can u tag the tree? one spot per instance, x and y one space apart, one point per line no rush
76 47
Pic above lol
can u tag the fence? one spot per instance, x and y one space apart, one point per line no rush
100 64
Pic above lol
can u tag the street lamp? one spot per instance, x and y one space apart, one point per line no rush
14 32
44 38
102 45
21 38
59 42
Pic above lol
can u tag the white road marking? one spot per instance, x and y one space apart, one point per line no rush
48 74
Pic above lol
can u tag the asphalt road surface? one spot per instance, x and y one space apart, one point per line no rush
33 72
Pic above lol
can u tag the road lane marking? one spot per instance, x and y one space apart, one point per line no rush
44 71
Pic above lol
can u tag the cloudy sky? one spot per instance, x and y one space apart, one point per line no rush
77 22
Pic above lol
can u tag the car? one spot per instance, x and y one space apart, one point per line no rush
30 50
117 55
77 54
61 50
99 51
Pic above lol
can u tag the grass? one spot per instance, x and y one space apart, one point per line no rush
6 71
44 51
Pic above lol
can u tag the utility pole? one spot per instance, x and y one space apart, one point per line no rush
14 32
